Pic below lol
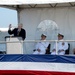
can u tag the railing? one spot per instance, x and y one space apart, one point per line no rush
33 41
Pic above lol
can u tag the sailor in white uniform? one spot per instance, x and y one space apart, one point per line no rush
61 46
41 47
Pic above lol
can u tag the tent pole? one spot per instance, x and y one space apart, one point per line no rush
18 16
18 13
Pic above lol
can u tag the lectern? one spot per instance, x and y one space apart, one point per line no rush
14 45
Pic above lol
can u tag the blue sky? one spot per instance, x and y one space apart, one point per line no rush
7 16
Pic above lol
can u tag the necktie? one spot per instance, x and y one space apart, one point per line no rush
18 32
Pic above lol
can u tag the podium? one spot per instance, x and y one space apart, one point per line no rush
14 45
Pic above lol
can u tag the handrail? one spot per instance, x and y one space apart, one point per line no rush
33 41
37 41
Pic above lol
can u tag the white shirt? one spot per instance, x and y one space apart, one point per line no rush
61 47
42 46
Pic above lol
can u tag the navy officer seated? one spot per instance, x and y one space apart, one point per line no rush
41 46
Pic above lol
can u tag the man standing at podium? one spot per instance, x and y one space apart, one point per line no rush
18 32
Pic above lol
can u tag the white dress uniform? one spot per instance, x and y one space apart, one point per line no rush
42 46
60 47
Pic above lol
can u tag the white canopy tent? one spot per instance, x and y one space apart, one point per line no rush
36 3
32 12
22 4
19 2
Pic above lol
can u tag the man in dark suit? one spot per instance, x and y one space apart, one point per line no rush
18 32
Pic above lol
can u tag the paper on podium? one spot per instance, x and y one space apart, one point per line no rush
14 45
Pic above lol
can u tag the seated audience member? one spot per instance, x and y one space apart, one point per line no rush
18 32
62 46
41 47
